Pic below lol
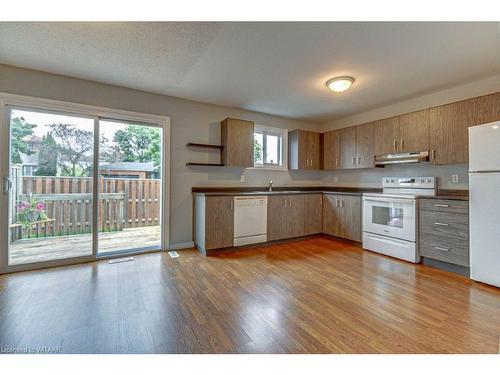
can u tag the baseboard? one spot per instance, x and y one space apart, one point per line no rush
182 245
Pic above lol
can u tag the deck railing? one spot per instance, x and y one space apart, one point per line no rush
123 203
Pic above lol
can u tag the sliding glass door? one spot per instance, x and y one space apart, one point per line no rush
130 167
50 186
79 187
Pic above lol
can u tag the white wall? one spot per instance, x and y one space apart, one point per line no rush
191 122
373 177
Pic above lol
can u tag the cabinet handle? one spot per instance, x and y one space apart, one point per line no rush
402 143
395 144
342 203
359 160
433 154
441 224
284 202
442 205
336 202
354 160
336 162
441 248
231 205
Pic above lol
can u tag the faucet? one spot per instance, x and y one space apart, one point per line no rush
270 185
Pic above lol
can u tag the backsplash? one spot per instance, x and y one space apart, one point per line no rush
373 177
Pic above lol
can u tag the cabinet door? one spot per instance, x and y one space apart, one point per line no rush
386 136
449 132
486 109
314 150
350 227
348 148
331 150
303 149
219 222
237 138
365 155
331 215
414 131
295 215
277 218
312 213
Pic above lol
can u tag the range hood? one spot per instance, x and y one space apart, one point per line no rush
402 158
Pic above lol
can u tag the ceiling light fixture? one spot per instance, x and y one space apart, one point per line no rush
339 84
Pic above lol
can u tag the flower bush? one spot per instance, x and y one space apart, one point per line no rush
30 211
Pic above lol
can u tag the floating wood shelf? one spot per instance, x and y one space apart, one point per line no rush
207 164
204 145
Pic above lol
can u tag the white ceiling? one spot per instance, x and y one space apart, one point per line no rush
276 68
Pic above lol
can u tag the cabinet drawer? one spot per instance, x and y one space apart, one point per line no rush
444 224
446 249
445 205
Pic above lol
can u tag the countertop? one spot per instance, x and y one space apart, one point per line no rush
462 195
211 191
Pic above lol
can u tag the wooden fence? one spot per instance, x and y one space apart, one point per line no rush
72 214
123 203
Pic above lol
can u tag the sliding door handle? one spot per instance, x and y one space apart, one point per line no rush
7 185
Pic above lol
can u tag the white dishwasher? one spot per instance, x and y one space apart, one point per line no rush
250 220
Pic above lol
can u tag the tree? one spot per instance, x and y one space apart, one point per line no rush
75 148
47 156
20 129
139 144
257 151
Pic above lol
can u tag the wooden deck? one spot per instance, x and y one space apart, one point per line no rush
51 248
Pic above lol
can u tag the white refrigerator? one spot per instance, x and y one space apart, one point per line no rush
484 210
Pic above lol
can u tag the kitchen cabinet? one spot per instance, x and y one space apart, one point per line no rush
357 147
214 222
313 209
347 148
449 132
342 216
365 155
304 150
405 133
444 231
386 136
414 131
331 150
285 216
237 138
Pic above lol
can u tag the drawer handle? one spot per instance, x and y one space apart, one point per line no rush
441 248
442 205
441 224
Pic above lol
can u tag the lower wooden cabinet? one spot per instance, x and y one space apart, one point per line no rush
313 212
214 222
285 216
342 216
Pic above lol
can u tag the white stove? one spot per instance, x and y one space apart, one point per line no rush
390 217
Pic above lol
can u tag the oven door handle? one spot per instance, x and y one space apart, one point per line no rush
388 200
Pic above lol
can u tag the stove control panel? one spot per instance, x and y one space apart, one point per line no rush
409 182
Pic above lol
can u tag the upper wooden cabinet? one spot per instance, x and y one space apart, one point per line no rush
414 131
237 137
386 136
357 146
347 148
331 150
405 133
304 149
365 146
449 133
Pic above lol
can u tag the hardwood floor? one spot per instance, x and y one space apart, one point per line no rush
310 296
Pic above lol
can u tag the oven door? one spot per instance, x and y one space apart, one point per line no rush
393 217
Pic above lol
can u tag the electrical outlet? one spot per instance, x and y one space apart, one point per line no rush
454 178
335 179
242 177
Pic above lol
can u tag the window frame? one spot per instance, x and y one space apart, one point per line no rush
281 133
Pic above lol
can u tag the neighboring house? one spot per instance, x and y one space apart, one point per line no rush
127 169
30 162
